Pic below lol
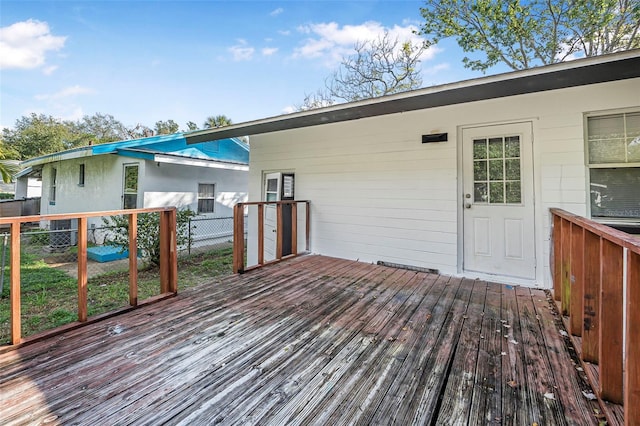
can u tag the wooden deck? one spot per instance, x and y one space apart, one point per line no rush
313 340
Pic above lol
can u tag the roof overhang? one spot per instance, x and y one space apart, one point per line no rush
196 162
601 69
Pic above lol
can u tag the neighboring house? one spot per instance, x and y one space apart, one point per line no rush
460 177
209 177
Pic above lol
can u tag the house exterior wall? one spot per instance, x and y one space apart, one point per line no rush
171 184
378 193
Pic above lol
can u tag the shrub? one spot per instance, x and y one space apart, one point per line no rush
148 233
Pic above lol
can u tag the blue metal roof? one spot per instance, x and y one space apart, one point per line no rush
231 150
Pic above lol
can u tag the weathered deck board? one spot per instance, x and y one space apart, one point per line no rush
313 340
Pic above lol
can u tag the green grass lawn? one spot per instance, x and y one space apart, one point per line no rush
50 296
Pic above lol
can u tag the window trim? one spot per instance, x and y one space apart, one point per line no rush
52 187
213 198
611 220
81 174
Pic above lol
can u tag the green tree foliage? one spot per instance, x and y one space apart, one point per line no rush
148 233
524 34
8 164
101 128
217 121
191 126
166 127
38 134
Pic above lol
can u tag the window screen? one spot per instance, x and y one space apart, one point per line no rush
206 197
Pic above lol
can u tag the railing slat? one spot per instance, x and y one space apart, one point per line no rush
565 259
173 250
577 280
133 259
591 312
164 253
14 260
279 231
82 269
611 326
632 377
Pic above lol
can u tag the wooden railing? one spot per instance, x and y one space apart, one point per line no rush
600 301
239 232
168 258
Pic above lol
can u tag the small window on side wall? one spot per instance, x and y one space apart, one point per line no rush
81 175
206 197
52 188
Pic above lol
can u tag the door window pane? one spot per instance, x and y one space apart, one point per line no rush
498 179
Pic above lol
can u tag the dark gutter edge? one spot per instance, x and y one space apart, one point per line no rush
566 78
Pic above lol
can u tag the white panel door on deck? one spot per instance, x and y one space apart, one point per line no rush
272 182
498 211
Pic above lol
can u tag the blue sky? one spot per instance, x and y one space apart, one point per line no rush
144 61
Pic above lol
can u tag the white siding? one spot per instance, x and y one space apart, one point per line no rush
378 193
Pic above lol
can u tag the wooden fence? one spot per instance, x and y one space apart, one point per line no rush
596 282
239 232
168 258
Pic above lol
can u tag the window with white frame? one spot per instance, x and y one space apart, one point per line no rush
52 188
613 145
206 197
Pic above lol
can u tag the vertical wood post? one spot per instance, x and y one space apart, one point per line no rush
557 257
577 280
238 238
172 218
260 234
611 326
133 259
566 265
82 269
591 305
294 228
308 226
279 231
164 253
14 261
632 358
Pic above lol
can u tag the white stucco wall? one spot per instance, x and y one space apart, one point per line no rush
378 193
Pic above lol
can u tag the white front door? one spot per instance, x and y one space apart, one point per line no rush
498 209
272 182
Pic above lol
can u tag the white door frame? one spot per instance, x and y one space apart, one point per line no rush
540 227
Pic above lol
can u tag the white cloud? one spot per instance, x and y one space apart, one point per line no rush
268 51
242 51
330 43
284 32
24 45
276 12
49 70
64 93
289 109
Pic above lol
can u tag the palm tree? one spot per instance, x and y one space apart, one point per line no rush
8 168
217 121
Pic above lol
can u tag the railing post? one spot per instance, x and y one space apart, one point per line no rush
238 238
308 226
82 269
611 326
279 231
133 259
632 358
14 261
294 228
557 257
168 252
260 234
